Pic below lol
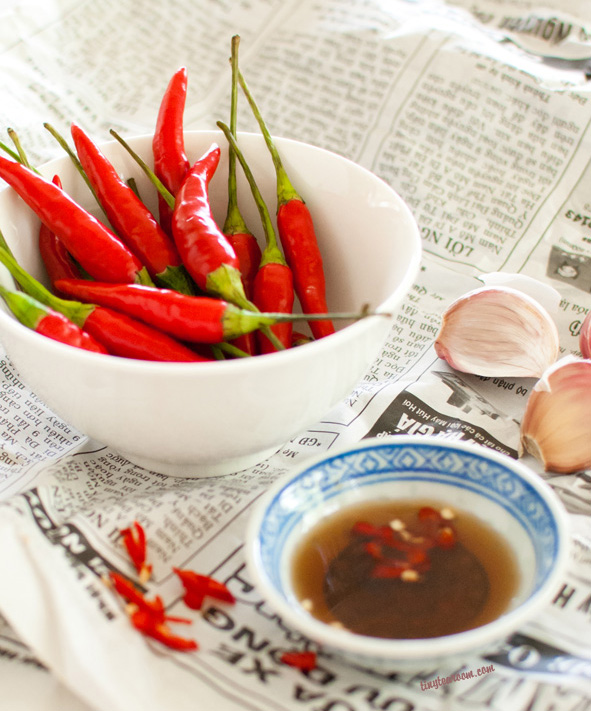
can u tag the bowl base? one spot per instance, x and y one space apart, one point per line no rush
194 470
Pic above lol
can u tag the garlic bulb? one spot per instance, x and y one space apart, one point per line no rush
555 425
497 331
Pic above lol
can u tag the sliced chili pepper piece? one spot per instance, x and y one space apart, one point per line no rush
374 549
273 284
149 616
428 513
134 540
297 234
389 569
446 537
48 322
364 528
132 221
198 587
417 556
119 334
155 607
306 661
161 632
129 592
168 144
100 252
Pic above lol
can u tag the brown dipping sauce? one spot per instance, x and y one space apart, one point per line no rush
378 569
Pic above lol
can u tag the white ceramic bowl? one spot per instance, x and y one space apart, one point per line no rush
501 492
208 419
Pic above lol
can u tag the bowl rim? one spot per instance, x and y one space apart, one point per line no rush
409 649
351 331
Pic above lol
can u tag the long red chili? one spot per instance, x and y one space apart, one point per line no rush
235 228
168 144
196 319
48 322
132 221
206 253
297 234
97 249
56 258
273 284
120 334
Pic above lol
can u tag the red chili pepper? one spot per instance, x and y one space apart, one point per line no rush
130 338
56 258
300 339
48 322
195 319
240 237
98 250
297 234
204 249
306 661
168 144
119 334
198 587
134 540
130 218
248 256
273 284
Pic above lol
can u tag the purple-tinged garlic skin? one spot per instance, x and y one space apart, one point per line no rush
555 425
498 332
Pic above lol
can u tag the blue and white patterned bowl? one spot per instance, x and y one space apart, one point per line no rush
500 491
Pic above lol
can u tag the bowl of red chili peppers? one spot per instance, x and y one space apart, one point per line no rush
158 365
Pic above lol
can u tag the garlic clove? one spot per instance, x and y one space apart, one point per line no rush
498 331
585 337
555 425
546 295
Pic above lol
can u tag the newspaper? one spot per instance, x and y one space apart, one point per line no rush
482 123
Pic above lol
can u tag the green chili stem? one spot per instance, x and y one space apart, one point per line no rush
20 150
271 253
285 190
13 154
233 350
234 223
27 310
74 158
153 178
74 310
